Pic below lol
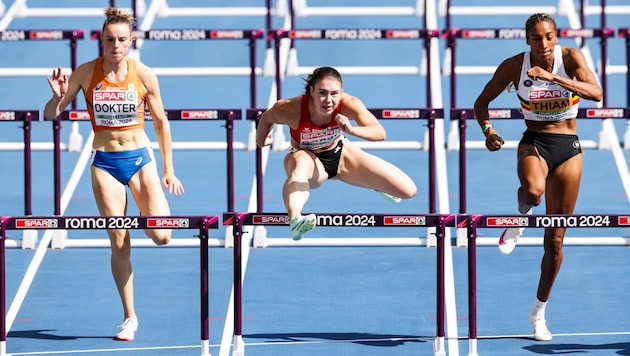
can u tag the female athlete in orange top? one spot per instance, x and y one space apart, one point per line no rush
116 90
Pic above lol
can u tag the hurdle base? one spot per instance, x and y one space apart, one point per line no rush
75 142
472 347
29 239
205 348
59 239
462 238
438 347
229 237
431 236
238 348
260 237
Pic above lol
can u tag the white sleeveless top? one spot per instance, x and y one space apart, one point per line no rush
546 101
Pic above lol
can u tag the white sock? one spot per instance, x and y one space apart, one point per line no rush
539 308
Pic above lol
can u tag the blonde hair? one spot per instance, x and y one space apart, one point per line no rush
115 15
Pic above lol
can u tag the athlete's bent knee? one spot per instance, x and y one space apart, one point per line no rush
159 237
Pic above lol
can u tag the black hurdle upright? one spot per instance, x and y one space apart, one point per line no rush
477 221
439 221
202 223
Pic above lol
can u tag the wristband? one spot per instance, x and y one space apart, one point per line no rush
485 128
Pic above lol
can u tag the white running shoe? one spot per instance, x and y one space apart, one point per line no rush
390 197
127 330
509 237
301 225
541 333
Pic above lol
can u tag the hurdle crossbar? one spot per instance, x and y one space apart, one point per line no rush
473 222
201 223
355 220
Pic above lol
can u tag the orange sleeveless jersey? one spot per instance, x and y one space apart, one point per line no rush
115 106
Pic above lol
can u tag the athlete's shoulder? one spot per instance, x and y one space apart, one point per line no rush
83 73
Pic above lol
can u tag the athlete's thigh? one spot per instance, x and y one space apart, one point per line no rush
304 164
563 185
361 168
109 193
532 169
147 191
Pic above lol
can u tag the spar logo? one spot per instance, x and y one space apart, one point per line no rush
404 220
499 114
270 220
200 114
507 221
168 222
36 223
110 95
587 32
623 220
7 115
305 34
401 114
604 113
46 35
79 115
402 34
478 34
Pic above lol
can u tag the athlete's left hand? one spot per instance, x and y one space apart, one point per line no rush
537 73
172 184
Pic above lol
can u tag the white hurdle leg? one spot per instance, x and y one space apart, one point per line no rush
238 348
438 347
472 347
205 348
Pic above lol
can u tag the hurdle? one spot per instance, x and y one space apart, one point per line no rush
474 222
201 223
359 220
293 69
20 8
302 9
29 237
261 239
459 117
625 33
43 35
60 239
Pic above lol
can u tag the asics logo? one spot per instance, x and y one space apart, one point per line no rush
138 161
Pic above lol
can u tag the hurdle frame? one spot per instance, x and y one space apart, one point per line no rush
475 221
29 237
438 221
44 35
459 116
429 114
202 223
227 115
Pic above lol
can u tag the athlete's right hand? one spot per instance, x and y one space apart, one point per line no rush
58 82
494 142
268 140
